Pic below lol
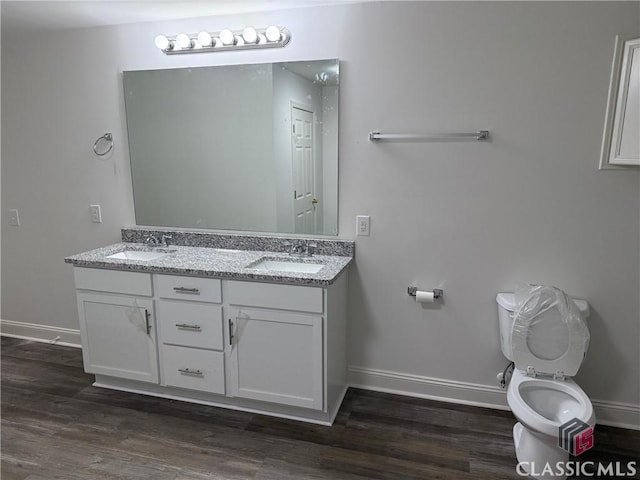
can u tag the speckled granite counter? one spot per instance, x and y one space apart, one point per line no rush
214 262
240 241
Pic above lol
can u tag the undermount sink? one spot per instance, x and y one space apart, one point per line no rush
144 256
285 265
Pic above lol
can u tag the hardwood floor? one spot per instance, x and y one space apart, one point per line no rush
55 425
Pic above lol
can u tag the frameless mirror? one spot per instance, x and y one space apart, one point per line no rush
239 147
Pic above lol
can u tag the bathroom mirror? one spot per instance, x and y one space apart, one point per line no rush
238 147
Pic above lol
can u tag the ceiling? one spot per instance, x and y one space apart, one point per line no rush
27 15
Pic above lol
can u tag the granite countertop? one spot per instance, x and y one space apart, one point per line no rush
214 262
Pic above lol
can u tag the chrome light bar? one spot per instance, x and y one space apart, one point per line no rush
224 40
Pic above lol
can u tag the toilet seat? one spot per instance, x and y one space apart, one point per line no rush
549 335
530 410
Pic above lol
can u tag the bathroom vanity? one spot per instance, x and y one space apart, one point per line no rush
252 330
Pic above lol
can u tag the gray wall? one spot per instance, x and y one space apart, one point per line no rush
472 218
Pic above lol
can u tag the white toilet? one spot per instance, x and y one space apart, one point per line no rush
546 336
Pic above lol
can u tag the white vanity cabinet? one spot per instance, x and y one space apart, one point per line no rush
265 347
117 331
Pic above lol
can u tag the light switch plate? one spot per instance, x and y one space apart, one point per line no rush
96 213
14 218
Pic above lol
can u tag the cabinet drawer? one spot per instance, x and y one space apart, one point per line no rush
115 281
188 288
269 295
191 324
193 369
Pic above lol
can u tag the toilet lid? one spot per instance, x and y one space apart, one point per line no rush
549 333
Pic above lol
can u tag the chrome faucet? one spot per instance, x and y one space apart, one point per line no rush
165 240
298 249
303 248
152 241
311 248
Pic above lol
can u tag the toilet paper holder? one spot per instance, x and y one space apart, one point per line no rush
437 292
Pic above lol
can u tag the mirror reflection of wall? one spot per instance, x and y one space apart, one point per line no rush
244 147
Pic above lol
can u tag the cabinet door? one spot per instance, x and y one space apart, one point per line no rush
118 336
275 356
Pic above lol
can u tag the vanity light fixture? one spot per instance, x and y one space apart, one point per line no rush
322 77
206 40
184 41
163 43
250 35
224 40
273 34
227 37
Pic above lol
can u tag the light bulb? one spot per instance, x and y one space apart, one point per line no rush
273 34
204 39
227 37
250 35
163 43
184 41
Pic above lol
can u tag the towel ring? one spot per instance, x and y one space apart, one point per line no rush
107 137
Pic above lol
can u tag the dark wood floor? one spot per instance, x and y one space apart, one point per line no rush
55 425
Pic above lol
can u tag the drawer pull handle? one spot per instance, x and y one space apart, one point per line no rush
188 371
186 326
147 318
192 291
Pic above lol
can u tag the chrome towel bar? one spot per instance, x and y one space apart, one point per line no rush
434 137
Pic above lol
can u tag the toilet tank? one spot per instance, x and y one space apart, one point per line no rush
506 306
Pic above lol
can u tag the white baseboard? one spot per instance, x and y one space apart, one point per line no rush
40 333
613 414
428 387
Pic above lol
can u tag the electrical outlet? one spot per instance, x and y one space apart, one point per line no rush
96 213
14 218
363 224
